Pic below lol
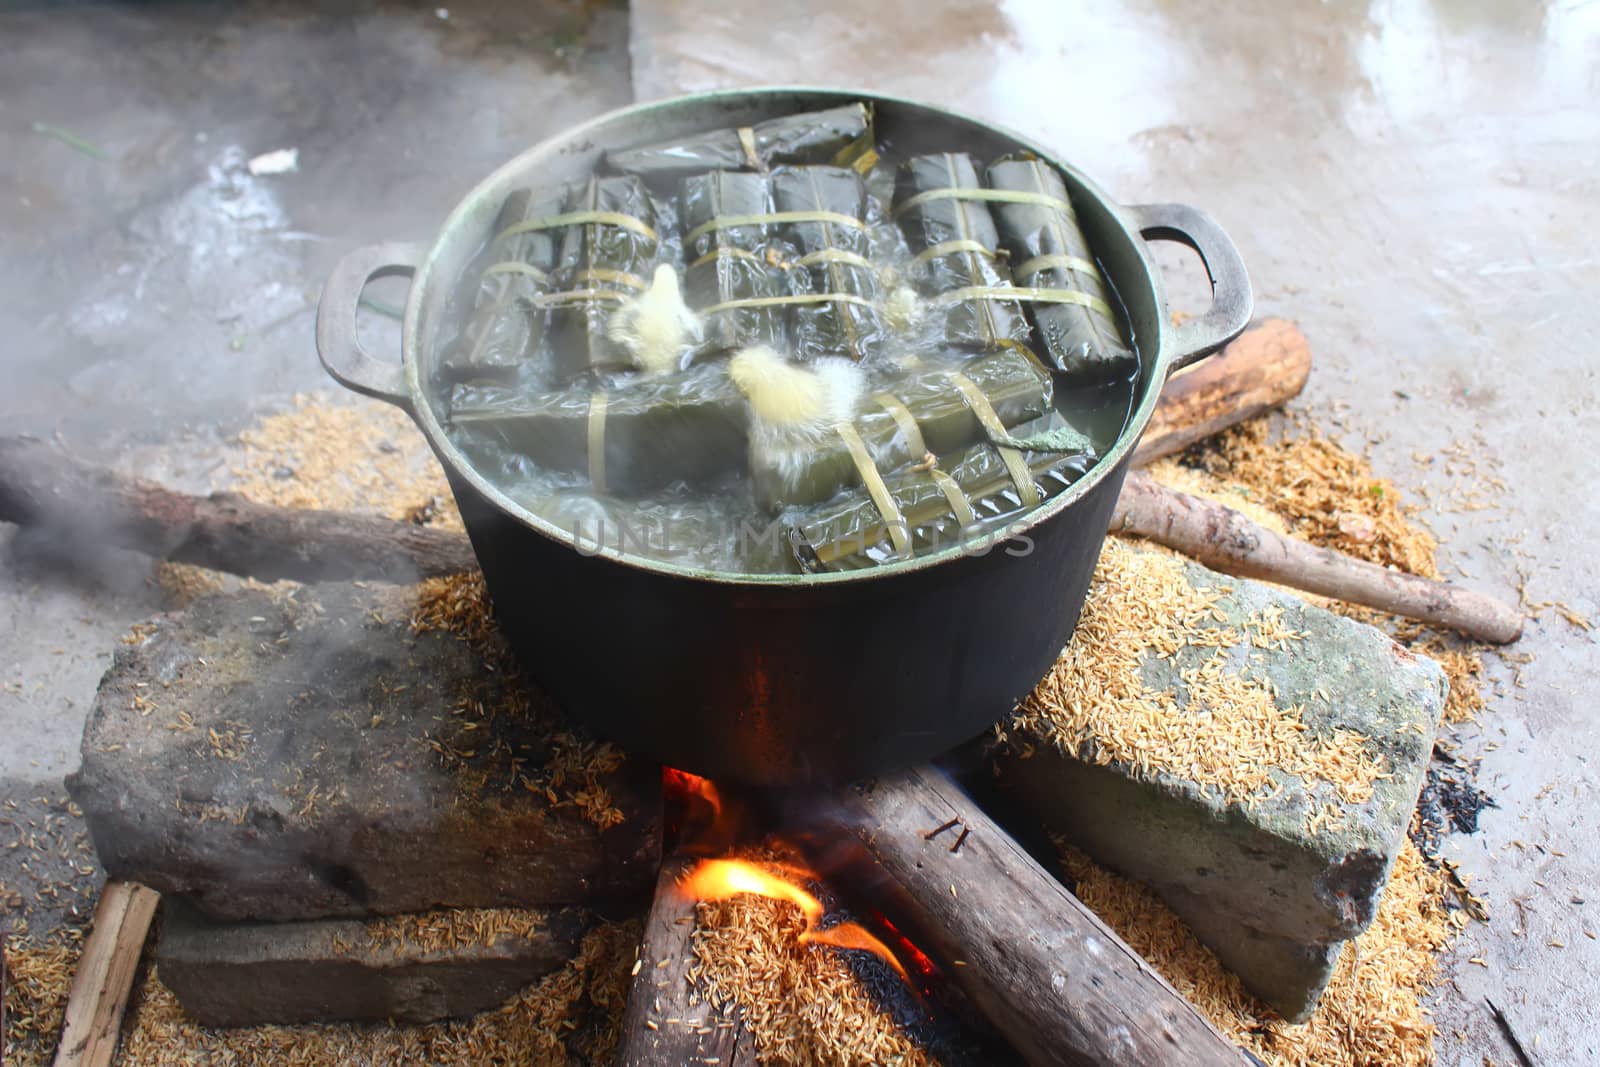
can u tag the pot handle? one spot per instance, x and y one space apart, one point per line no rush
1231 298
351 365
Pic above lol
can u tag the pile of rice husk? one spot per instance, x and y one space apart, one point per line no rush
1372 1011
803 1004
1227 734
341 455
344 456
38 975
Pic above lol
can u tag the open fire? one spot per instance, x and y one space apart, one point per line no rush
709 826
723 878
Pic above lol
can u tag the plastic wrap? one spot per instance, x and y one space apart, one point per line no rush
841 135
833 286
687 427
1070 303
924 412
939 204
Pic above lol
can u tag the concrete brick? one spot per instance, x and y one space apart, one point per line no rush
1271 892
244 974
275 759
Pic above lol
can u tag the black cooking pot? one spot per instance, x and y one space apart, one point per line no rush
780 679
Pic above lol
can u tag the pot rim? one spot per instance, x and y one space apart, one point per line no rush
422 409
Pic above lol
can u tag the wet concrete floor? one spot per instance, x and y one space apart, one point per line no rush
1409 179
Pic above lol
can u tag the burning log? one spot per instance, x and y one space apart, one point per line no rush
41 486
1051 977
1225 540
1264 368
667 1020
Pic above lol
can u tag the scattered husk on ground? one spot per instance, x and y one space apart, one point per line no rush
345 456
38 976
566 1019
1300 482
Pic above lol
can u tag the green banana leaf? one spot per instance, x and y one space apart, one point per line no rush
688 427
959 246
729 263
832 242
1082 340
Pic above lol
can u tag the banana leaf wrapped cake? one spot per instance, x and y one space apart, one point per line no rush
833 285
609 249
970 498
729 280
933 410
506 327
629 439
769 329
1070 303
840 135
940 204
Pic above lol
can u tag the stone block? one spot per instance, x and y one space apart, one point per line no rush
1274 882
279 757
409 969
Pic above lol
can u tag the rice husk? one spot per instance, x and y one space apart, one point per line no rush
803 1003
1373 1011
569 1017
1322 492
1306 485
1228 733
344 456
38 977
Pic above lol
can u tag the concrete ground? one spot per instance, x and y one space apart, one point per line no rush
1409 179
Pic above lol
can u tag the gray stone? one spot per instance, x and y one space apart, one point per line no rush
1271 895
244 974
298 757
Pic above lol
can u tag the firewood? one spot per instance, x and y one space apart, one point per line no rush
42 486
1225 540
104 977
1051 977
667 1020
1263 368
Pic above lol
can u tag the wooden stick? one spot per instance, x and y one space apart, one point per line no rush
1053 979
103 980
667 1020
41 486
1266 366
1225 540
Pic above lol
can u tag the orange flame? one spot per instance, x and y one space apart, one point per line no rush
722 879
693 785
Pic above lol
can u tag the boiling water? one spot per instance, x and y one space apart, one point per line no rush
716 524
